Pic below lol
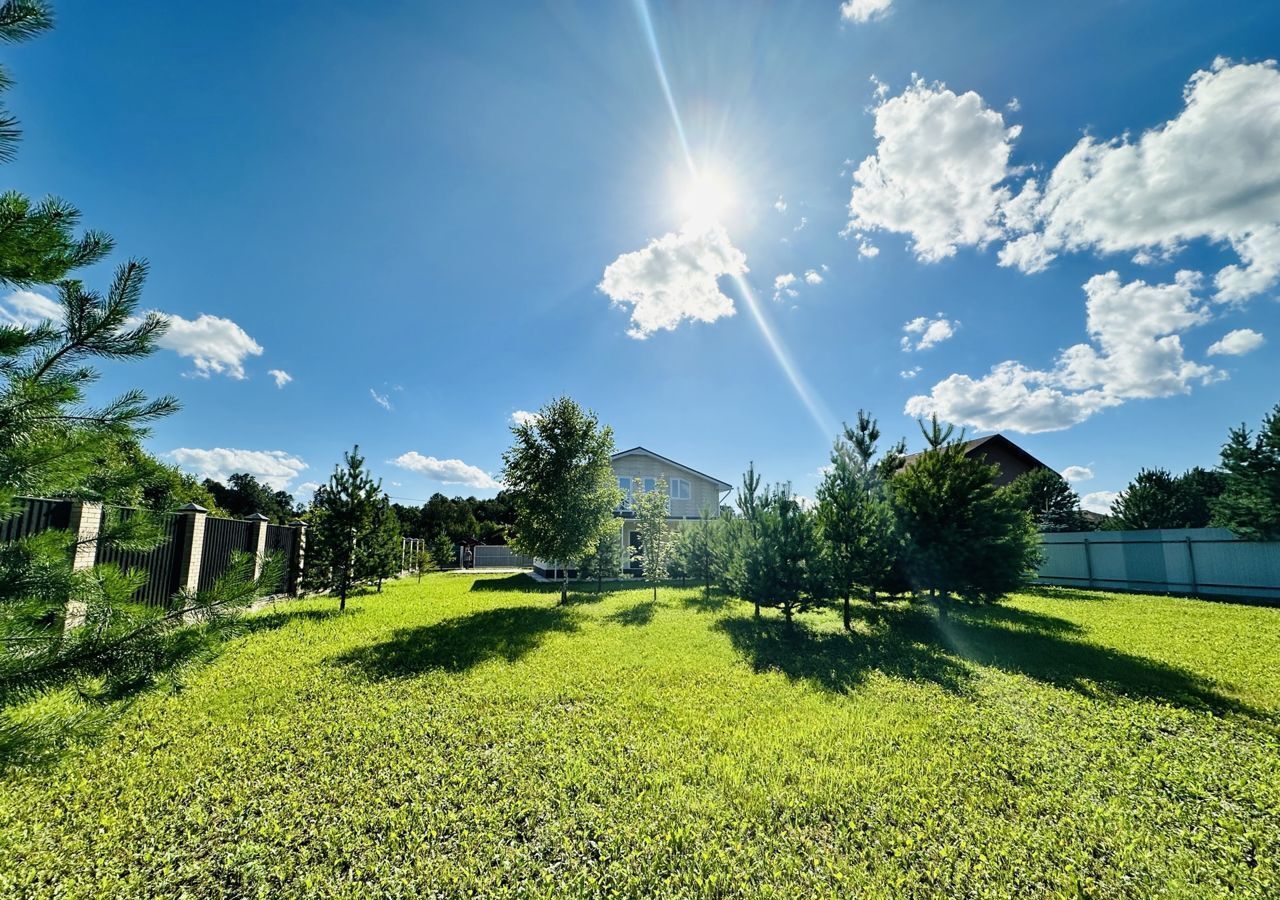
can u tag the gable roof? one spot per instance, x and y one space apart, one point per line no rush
992 441
722 485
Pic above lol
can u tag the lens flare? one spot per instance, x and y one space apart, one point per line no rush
709 196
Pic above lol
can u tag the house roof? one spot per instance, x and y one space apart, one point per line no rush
990 442
723 485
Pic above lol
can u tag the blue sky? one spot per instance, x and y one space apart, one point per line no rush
433 204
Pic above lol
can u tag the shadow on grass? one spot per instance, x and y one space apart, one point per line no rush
278 617
839 661
708 603
1031 644
456 645
908 641
639 614
518 582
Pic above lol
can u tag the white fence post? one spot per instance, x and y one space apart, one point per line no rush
258 540
299 555
85 526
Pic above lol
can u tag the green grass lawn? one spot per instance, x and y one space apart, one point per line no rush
464 736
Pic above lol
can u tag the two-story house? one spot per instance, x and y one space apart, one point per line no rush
690 493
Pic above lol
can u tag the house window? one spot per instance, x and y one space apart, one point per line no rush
679 489
625 484
650 484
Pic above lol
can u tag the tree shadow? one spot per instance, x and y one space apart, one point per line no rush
518 582
278 618
456 645
1054 592
1032 644
837 661
707 603
639 614
908 641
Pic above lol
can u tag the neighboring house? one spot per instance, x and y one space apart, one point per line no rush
997 449
690 493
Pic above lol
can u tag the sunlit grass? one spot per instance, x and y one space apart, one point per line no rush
469 737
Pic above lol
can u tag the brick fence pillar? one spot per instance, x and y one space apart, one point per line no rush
299 556
192 548
258 541
85 526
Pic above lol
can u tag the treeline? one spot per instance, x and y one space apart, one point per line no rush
935 527
460 520
1242 493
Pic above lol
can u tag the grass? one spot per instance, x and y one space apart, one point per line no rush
466 737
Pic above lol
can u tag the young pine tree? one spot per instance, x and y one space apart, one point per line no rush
1250 500
561 483
382 556
602 562
785 566
965 538
342 520
855 517
1151 500
1049 499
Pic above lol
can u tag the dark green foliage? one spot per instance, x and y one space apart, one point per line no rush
381 559
20 20
1199 489
1045 494
855 516
340 539
605 561
243 495
1152 500
694 555
561 484
38 244
443 553
965 538
780 561
1250 500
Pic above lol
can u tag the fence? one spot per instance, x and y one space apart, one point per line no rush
1202 562
197 548
496 557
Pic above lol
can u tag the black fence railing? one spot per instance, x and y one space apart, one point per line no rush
35 516
283 540
222 539
160 563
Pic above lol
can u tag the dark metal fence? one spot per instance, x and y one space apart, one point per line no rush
160 562
283 540
34 517
222 538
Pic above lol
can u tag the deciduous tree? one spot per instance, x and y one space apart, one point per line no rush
656 537
561 484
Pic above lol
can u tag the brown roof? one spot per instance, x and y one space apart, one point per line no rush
993 440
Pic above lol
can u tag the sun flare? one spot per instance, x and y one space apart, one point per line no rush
707 196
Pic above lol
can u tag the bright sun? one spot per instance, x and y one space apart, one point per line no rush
707 196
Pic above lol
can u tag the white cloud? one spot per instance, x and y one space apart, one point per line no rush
868 250
27 309
780 204
813 276
864 10
383 400
937 172
675 278
1013 105
446 471
1136 353
783 287
1212 172
1237 343
305 491
804 220
912 372
930 331
1099 502
521 416
216 345
1077 473
281 376
274 467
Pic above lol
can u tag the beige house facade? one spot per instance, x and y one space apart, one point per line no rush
690 493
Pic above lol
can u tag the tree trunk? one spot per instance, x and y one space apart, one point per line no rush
655 592
757 602
564 588
379 584
342 598
848 615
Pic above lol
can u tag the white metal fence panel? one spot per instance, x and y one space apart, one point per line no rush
1208 562
499 557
